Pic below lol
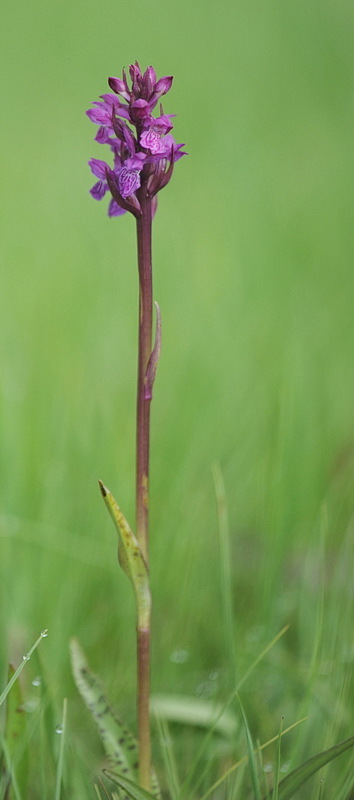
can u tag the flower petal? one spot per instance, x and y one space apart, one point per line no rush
98 168
118 86
99 190
128 181
114 210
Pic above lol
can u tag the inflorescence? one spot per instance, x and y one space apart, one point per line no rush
143 157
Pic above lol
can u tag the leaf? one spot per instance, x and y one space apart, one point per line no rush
130 558
131 788
300 775
251 758
194 711
19 669
244 760
119 743
15 736
8 773
277 763
60 764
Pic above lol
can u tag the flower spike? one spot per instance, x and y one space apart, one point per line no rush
141 143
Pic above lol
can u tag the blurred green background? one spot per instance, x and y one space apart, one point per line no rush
254 275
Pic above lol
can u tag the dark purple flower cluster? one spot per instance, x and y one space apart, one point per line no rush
143 157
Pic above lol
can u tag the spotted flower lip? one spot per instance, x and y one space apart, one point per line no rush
143 147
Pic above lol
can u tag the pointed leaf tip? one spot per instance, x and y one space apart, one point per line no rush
102 488
130 558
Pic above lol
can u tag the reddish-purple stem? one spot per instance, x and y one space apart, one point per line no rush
142 471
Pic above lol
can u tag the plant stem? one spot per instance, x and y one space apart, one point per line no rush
143 404
143 652
142 475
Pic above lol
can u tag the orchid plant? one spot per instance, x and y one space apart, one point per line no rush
144 153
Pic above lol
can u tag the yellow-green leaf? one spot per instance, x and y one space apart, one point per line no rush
131 558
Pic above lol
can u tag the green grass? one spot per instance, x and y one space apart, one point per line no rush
253 274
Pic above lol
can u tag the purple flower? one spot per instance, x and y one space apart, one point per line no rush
98 191
143 147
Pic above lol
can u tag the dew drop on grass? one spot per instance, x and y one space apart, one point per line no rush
179 656
44 633
59 729
26 657
37 681
268 768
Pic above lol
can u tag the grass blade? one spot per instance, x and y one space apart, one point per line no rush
15 737
260 657
168 757
189 780
251 755
132 789
277 762
19 669
60 765
244 760
12 790
295 779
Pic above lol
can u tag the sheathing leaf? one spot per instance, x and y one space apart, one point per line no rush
130 558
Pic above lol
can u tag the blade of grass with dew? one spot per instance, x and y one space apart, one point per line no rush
225 566
251 754
166 747
243 761
131 788
15 735
119 743
277 762
301 774
187 783
19 669
60 764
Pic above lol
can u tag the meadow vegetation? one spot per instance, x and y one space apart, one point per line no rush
252 441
